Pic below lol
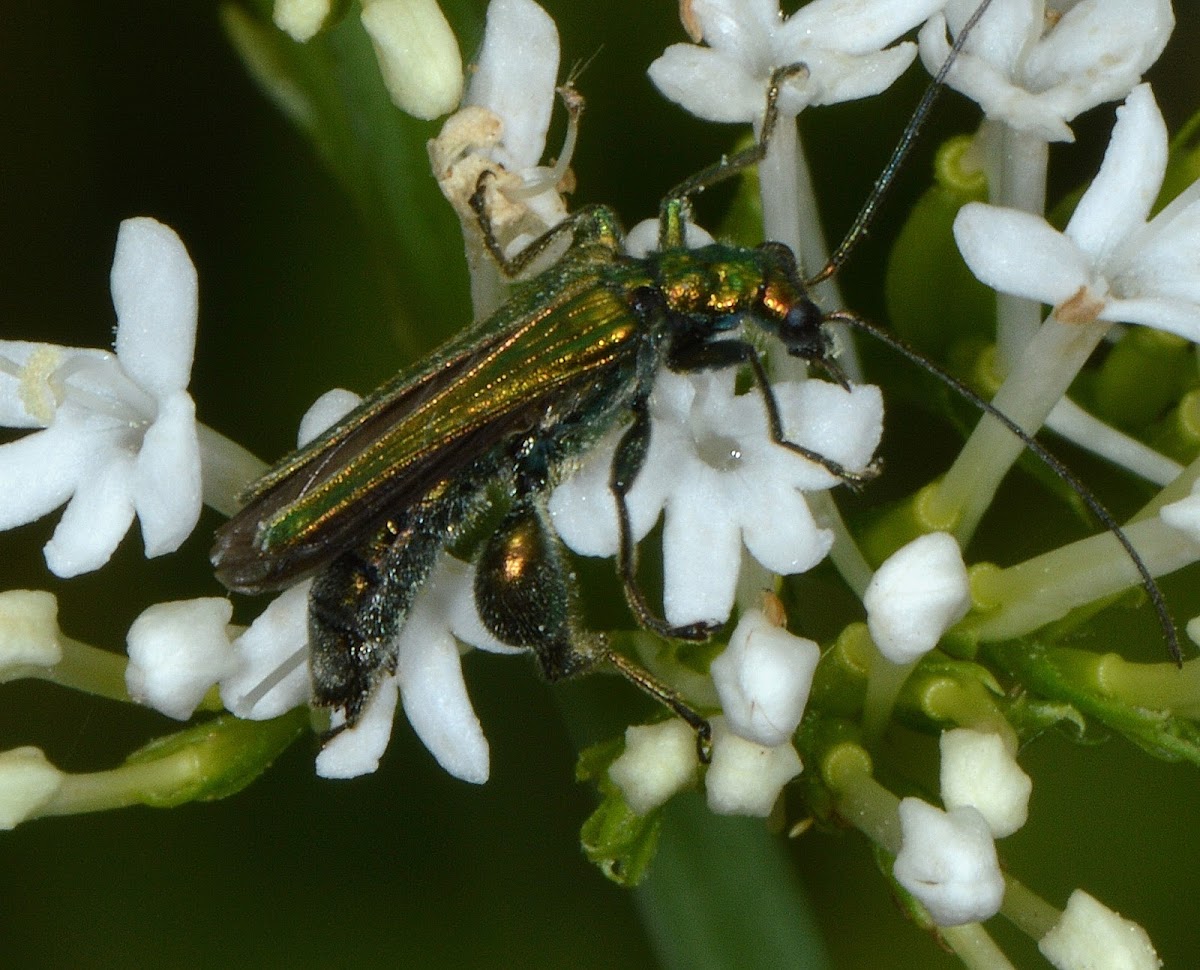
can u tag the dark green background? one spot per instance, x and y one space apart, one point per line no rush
129 107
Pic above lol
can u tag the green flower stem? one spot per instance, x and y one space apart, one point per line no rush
1038 379
884 683
89 669
1155 686
201 763
1018 181
973 945
226 469
954 696
846 768
1022 598
1026 910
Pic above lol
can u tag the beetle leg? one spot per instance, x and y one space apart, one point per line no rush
524 599
592 225
719 354
673 212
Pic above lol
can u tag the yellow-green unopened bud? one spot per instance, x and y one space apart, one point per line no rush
417 54
27 782
301 19
28 632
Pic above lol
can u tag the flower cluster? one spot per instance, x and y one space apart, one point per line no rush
730 467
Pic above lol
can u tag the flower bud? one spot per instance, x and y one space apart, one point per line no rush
417 54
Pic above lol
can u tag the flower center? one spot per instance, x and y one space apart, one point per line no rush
719 451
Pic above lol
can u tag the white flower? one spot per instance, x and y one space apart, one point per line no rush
501 127
746 778
659 760
947 860
417 53
979 770
27 782
839 42
721 482
1109 264
919 592
1090 935
763 678
1035 78
119 432
177 651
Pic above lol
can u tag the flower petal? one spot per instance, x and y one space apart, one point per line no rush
1099 49
167 491
39 472
95 520
739 27
763 679
918 593
1019 253
1119 198
154 292
836 77
1180 317
947 860
710 84
746 778
325 412
515 77
849 26
272 672
779 530
702 552
356 750
435 697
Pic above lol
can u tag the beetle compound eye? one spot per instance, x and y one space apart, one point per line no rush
801 332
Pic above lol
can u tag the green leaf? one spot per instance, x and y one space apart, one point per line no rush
723 894
331 89
933 301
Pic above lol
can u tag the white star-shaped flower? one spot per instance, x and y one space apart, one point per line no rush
1036 77
841 43
118 434
947 860
1110 263
713 470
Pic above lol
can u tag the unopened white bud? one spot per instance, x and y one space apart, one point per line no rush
1090 935
745 778
915 596
659 760
979 770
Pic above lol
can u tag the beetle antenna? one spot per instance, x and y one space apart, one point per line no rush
1043 455
870 208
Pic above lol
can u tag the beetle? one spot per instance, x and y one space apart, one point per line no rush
509 404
